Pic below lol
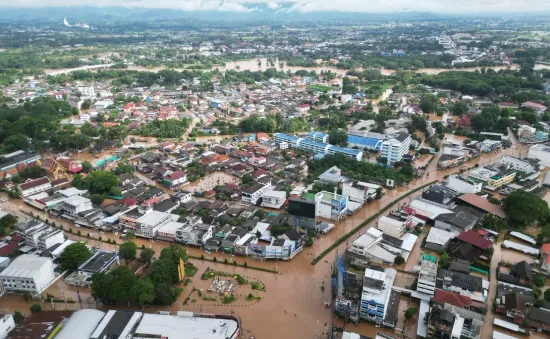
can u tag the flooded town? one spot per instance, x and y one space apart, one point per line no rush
243 178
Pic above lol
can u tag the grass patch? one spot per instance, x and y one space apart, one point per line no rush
366 222
187 281
320 88
190 271
257 286
211 274
229 299
193 300
209 298
252 297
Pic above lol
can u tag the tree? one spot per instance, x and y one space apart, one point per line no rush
409 313
525 208
338 137
87 167
547 295
18 317
459 108
540 281
97 199
399 260
146 255
492 222
127 250
247 180
428 103
260 214
444 261
74 255
35 308
124 167
86 104
165 294
144 292
114 287
17 142
100 182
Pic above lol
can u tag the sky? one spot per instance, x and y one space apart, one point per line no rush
306 6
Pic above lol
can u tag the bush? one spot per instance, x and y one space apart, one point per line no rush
18 317
547 295
35 308
215 259
245 264
399 260
409 313
540 281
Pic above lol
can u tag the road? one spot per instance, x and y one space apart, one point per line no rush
296 289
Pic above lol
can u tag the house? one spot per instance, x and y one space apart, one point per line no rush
474 238
262 137
463 185
302 108
438 239
523 272
462 284
545 253
538 108
461 219
514 305
273 199
360 192
174 179
395 228
34 186
254 193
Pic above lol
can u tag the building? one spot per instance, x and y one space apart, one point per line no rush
99 262
76 204
427 277
316 146
360 192
462 218
174 179
41 325
273 199
196 234
50 238
463 185
463 284
438 239
376 292
148 225
394 148
365 142
252 194
538 108
34 186
348 152
331 205
395 228
541 153
492 177
318 137
518 164
6 325
28 273
81 324
12 160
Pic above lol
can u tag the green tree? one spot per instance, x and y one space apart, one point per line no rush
87 167
18 317
165 294
86 104
97 199
124 167
338 137
525 208
32 172
399 260
260 214
547 295
540 281
127 250
409 313
428 103
492 222
146 255
114 287
459 108
35 308
17 142
144 292
444 260
74 255
100 182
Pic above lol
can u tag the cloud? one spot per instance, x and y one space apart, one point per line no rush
306 6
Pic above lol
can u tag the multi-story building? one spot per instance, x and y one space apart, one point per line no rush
493 177
318 137
376 294
290 140
50 238
316 147
28 273
6 325
395 228
175 179
348 152
463 185
541 153
394 148
331 205
148 225
313 146
366 142
273 199
360 192
196 235
427 277
34 186
518 164
252 194
71 207
12 160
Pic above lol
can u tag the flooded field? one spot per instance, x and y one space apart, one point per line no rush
210 181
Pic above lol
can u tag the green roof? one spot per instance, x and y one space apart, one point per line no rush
429 258
308 196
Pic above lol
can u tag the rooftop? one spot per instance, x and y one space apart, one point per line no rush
185 326
97 261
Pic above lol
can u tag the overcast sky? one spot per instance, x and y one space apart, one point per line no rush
441 6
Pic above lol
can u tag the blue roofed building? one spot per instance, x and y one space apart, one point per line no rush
313 146
318 137
349 152
365 142
291 140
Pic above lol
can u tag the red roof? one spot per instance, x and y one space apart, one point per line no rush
129 105
472 237
175 175
258 173
129 201
34 183
454 299
482 232
533 105
545 249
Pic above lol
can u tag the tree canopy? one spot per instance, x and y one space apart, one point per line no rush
127 250
525 208
74 255
272 123
97 182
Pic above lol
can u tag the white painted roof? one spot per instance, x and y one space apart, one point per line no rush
25 266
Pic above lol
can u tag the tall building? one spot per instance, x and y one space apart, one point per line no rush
395 147
28 273
376 293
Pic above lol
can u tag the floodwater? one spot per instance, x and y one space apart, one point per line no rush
261 64
209 181
297 288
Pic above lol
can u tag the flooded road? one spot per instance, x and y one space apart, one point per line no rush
296 289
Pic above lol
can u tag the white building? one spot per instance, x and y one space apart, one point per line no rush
273 199
75 205
330 205
28 273
463 185
169 230
393 227
103 104
427 277
360 192
376 294
149 224
6 325
50 238
540 152
87 92
34 186
518 164
252 194
396 147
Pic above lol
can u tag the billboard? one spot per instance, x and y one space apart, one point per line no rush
301 208
339 205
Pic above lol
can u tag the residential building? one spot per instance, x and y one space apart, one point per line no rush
493 177
174 179
540 152
461 219
71 207
168 231
50 238
34 186
273 199
439 194
463 185
360 192
395 147
438 239
427 277
518 164
463 284
315 146
252 194
6 325
28 273
100 262
195 235
12 160
538 108
395 228
331 205
376 292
